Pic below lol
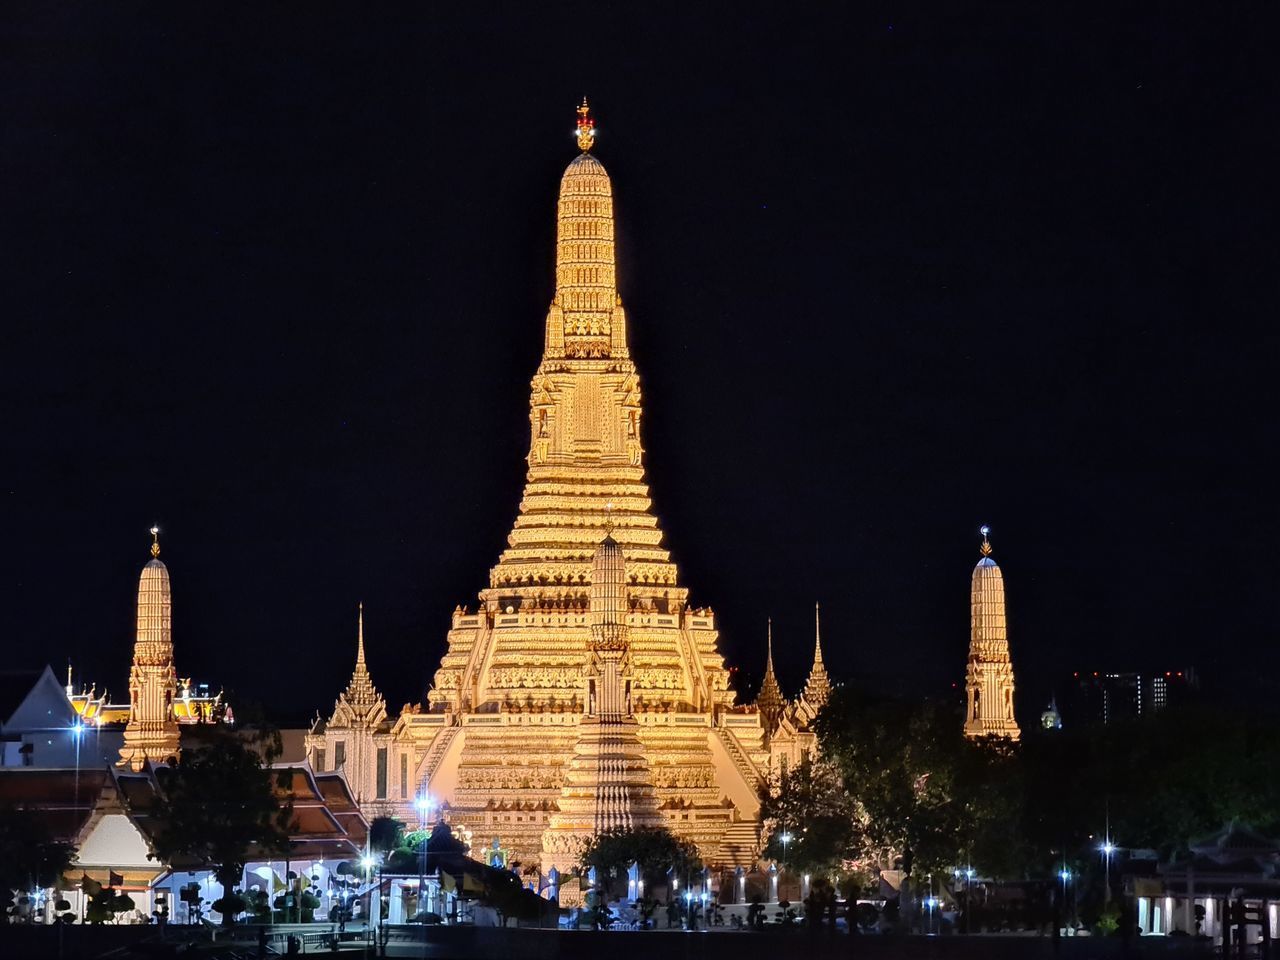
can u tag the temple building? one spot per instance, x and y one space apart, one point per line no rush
584 691
789 724
45 724
357 740
989 678
152 731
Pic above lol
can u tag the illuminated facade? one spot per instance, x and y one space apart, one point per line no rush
526 701
356 738
989 678
789 724
152 731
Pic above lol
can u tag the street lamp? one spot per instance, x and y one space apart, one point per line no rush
1108 848
77 734
424 803
1065 876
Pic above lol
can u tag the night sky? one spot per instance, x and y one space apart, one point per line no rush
275 279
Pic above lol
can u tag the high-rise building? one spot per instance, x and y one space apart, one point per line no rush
989 677
1101 697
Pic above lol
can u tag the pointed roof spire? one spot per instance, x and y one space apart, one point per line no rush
770 700
360 636
817 634
361 697
155 541
817 689
986 543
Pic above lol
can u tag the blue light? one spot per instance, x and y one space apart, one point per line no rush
77 730
1064 875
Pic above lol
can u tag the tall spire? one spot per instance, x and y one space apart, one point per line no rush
586 319
989 677
152 730
360 637
608 784
817 689
817 634
361 698
770 700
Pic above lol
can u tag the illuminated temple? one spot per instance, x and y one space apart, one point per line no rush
583 692
989 677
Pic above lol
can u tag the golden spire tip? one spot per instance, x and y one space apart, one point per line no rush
155 541
986 543
586 127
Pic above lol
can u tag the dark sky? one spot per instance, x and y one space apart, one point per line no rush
276 277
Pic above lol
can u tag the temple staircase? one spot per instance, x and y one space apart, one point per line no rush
740 844
750 772
435 754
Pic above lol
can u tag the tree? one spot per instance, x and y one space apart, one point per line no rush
30 858
655 850
105 904
818 815
385 834
926 798
219 802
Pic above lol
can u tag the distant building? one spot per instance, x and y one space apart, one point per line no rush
989 677
45 724
1100 697
107 814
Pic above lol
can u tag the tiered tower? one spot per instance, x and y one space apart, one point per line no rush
152 730
608 785
503 715
989 679
355 739
817 689
770 701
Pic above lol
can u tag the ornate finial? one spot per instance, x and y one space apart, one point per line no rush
986 544
608 519
155 541
586 127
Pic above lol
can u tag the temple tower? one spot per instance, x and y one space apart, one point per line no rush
608 785
770 701
989 678
152 730
354 739
817 689
498 738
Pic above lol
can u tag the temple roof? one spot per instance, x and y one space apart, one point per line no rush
817 689
360 702
770 699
